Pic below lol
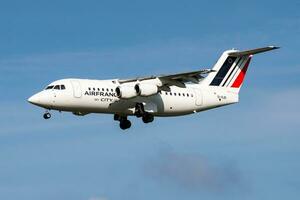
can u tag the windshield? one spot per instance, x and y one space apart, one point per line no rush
56 87
49 87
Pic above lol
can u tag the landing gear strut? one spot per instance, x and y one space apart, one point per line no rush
124 122
140 112
47 115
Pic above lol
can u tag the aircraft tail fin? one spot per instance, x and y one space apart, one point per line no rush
231 68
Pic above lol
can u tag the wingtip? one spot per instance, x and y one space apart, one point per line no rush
275 47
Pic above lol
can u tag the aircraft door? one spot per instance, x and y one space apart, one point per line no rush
76 88
198 97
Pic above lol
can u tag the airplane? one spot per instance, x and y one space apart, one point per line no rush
154 96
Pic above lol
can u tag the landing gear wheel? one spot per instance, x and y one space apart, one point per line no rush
47 115
147 118
125 124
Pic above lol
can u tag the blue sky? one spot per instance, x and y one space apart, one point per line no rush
245 151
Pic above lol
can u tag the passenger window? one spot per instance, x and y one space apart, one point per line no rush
111 90
166 93
174 93
183 94
171 93
98 89
94 89
62 87
107 89
192 95
187 95
89 88
56 87
179 94
103 89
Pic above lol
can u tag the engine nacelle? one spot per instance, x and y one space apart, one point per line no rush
146 90
126 92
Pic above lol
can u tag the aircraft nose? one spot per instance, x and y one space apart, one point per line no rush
34 99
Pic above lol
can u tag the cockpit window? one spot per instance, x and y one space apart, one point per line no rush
56 87
49 87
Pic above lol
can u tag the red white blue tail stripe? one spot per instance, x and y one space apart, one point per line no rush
232 72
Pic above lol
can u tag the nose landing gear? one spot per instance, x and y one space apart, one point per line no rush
47 115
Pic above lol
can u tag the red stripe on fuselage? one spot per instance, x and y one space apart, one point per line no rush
239 80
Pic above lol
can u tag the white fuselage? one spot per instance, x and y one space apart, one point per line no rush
83 96
164 95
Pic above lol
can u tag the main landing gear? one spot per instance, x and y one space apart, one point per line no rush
124 122
147 118
47 115
139 112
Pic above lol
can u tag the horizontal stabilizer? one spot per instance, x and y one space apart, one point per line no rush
252 51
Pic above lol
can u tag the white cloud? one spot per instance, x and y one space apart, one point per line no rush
194 172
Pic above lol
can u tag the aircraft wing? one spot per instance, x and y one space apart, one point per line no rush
173 79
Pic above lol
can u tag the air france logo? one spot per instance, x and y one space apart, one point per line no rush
101 94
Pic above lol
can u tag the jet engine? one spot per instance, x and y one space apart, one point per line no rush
145 90
126 92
